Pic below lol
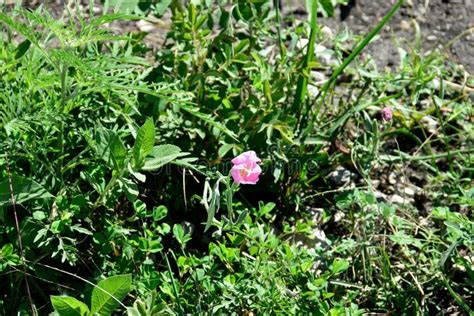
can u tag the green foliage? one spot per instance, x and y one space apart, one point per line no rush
69 306
117 157
108 293
106 297
21 190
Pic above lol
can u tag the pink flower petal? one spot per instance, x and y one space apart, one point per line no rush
245 168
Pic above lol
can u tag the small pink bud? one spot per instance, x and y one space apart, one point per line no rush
245 169
387 114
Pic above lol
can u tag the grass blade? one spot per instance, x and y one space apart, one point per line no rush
347 61
302 84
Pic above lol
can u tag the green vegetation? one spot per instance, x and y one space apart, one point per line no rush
115 193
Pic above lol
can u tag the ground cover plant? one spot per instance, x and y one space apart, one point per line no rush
256 163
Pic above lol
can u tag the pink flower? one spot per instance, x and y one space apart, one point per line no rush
245 169
387 114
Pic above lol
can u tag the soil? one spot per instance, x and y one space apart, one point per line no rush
444 24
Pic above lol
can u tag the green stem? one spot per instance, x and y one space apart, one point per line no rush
324 90
302 84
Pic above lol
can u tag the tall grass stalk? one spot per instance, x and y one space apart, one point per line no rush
321 96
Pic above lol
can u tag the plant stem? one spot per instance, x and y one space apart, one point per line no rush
20 242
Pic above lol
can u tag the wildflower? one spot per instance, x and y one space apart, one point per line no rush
245 169
387 114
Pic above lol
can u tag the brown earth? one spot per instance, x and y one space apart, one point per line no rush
444 24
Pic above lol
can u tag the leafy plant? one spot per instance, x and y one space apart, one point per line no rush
106 297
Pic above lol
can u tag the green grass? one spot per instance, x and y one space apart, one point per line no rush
115 191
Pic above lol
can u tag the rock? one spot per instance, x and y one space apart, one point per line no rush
380 197
430 124
409 192
313 90
145 26
392 178
397 199
341 176
327 32
405 25
316 214
338 216
431 38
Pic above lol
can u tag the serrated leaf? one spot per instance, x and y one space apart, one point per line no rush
24 190
108 294
144 142
69 306
161 155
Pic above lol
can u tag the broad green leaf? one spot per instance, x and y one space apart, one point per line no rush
144 142
130 188
161 6
69 306
23 190
159 212
22 48
340 265
7 250
224 149
102 140
327 7
118 153
132 311
161 155
178 233
108 294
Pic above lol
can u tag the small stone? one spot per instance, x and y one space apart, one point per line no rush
316 214
430 124
327 32
302 43
319 236
338 216
341 176
431 38
397 199
409 192
405 25
145 26
392 178
380 197
313 90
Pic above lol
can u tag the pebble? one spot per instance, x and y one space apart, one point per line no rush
398 199
145 26
327 32
405 25
338 216
317 214
380 197
409 192
341 176
431 38
430 124
393 178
